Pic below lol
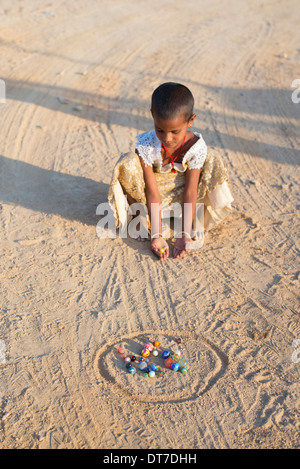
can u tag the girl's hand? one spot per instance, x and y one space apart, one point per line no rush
181 246
160 248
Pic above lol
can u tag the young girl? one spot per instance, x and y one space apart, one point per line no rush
171 164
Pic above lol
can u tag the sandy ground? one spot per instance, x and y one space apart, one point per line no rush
78 77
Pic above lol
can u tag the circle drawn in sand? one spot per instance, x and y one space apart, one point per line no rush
206 364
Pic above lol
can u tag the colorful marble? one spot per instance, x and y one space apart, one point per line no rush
183 362
142 366
148 346
168 362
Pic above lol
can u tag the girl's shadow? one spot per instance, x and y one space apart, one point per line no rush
51 192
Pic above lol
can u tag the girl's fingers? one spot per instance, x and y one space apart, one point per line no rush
162 253
179 252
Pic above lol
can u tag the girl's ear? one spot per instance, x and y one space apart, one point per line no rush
192 120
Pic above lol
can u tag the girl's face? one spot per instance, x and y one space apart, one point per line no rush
171 132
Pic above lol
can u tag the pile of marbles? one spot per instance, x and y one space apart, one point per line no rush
172 360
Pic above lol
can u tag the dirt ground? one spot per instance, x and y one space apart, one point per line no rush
78 77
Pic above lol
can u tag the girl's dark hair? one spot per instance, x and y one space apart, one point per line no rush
172 99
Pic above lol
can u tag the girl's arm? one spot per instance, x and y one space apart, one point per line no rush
158 245
188 212
190 197
152 197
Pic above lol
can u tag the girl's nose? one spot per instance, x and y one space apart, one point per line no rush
168 138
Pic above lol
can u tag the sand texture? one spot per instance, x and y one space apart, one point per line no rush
79 76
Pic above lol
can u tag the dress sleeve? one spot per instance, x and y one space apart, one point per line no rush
197 154
147 147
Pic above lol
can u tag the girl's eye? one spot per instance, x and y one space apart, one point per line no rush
173 131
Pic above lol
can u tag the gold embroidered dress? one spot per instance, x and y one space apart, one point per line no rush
213 187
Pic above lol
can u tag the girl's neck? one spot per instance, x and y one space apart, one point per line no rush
190 140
